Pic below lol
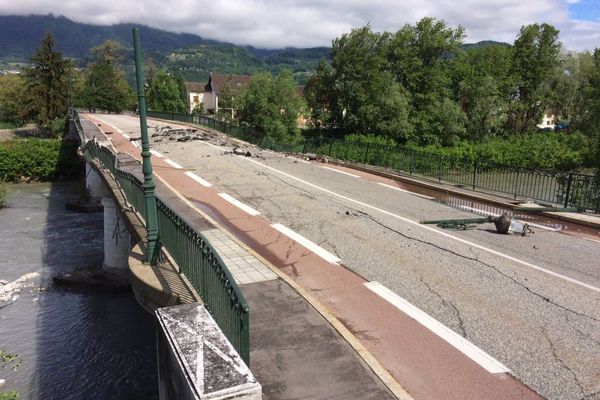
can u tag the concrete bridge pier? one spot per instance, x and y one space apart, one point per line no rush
116 237
93 184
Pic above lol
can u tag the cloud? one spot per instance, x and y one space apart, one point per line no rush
307 23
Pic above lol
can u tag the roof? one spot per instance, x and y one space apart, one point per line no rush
216 82
196 87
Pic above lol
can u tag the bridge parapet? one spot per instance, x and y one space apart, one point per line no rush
187 247
196 361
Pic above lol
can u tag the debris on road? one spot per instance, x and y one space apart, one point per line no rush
504 224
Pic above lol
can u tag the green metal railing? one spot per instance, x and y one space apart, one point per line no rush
190 250
569 189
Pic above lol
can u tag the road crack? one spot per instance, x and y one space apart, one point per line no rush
448 304
562 362
475 259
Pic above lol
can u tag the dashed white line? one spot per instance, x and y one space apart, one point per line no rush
315 248
492 365
405 191
126 136
198 179
430 229
173 163
341 172
239 204
136 144
157 154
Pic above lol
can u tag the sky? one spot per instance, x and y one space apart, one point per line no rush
310 23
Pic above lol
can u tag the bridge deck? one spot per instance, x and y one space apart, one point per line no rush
491 285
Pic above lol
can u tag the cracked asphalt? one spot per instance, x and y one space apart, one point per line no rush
545 329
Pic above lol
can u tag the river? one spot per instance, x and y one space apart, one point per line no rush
73 344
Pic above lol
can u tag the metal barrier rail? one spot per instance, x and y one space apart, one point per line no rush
190 250
569 189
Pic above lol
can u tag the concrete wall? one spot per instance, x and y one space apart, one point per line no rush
195 359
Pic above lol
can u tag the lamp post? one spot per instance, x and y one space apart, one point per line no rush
153 244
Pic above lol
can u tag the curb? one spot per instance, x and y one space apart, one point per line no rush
459 193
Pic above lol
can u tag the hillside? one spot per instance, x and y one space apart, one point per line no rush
21 35
192 56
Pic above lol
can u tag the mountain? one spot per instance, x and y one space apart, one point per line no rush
484 43
191 55
21 35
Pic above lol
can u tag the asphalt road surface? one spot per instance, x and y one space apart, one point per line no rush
532 303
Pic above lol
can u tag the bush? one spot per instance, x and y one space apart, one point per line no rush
547 150
370 139
38 159
3 194
57 127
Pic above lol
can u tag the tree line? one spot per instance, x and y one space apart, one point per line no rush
419 86
43 92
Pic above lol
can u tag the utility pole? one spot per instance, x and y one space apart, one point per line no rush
153 244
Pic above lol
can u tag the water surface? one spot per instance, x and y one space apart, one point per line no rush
74 344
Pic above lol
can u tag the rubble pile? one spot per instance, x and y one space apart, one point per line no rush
161 133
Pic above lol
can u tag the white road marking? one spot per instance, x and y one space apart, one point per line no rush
126 136
173 163
405 191
157 154
341 172
428 228
481 212
136 144
239 204
198 179
315 248
490 364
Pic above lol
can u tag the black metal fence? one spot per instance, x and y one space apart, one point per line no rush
192 252
569 189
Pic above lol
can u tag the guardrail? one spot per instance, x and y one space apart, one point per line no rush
569 189
192 252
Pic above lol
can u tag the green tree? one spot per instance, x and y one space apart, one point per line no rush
47 86
418 57
105 87
535 58
12 91
589 110
165 94
271 106
226 102
182 91
319 94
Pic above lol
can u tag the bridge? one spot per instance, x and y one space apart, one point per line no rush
326 285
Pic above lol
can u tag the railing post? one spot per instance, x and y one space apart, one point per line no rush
475 168
330 146
568 194
150 200
410 161
366 153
